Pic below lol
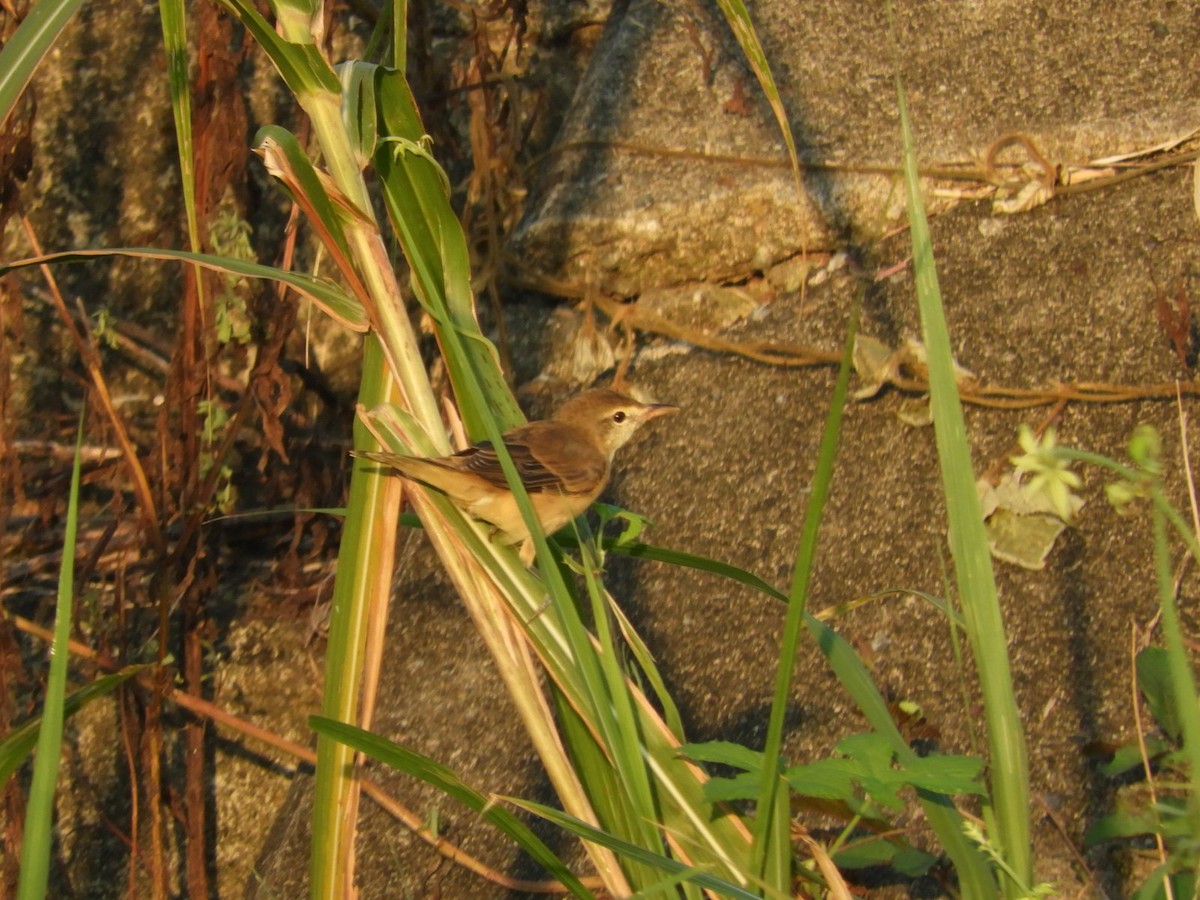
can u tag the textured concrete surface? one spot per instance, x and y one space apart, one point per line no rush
670 167
1063 292
668 170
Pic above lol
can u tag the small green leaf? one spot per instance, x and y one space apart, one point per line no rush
866 853
1120 825
1130 757
725 753
739 787
826 779
1154 679
1145 448
634 523
913 862
588 832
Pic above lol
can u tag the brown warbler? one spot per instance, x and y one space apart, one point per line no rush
564 463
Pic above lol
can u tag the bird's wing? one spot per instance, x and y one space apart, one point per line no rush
548 458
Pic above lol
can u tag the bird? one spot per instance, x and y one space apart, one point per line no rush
564 462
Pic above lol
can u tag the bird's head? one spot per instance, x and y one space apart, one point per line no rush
608 417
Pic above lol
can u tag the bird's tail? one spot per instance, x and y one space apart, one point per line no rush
430 472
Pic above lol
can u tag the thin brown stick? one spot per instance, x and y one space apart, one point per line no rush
91 359
1059 826
952 171
628 315
152 750
128 722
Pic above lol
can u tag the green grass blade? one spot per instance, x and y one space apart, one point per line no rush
174 26
622 729
632 772
968 544
747 37
324 293
582 829
19 743
39 815
650 673
608 795
416 195
32 40
700 563
442 778
769 843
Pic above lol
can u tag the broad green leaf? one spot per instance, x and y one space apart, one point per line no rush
1154 678
825 779
945 774
360 113
286 160
415 191
299 63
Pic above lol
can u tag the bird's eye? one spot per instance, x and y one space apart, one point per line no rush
619 416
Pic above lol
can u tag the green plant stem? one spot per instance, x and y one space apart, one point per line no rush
1182 676
365 557
767 843
367 545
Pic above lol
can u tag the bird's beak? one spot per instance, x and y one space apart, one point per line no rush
656 410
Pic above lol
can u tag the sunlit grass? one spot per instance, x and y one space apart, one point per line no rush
37 842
